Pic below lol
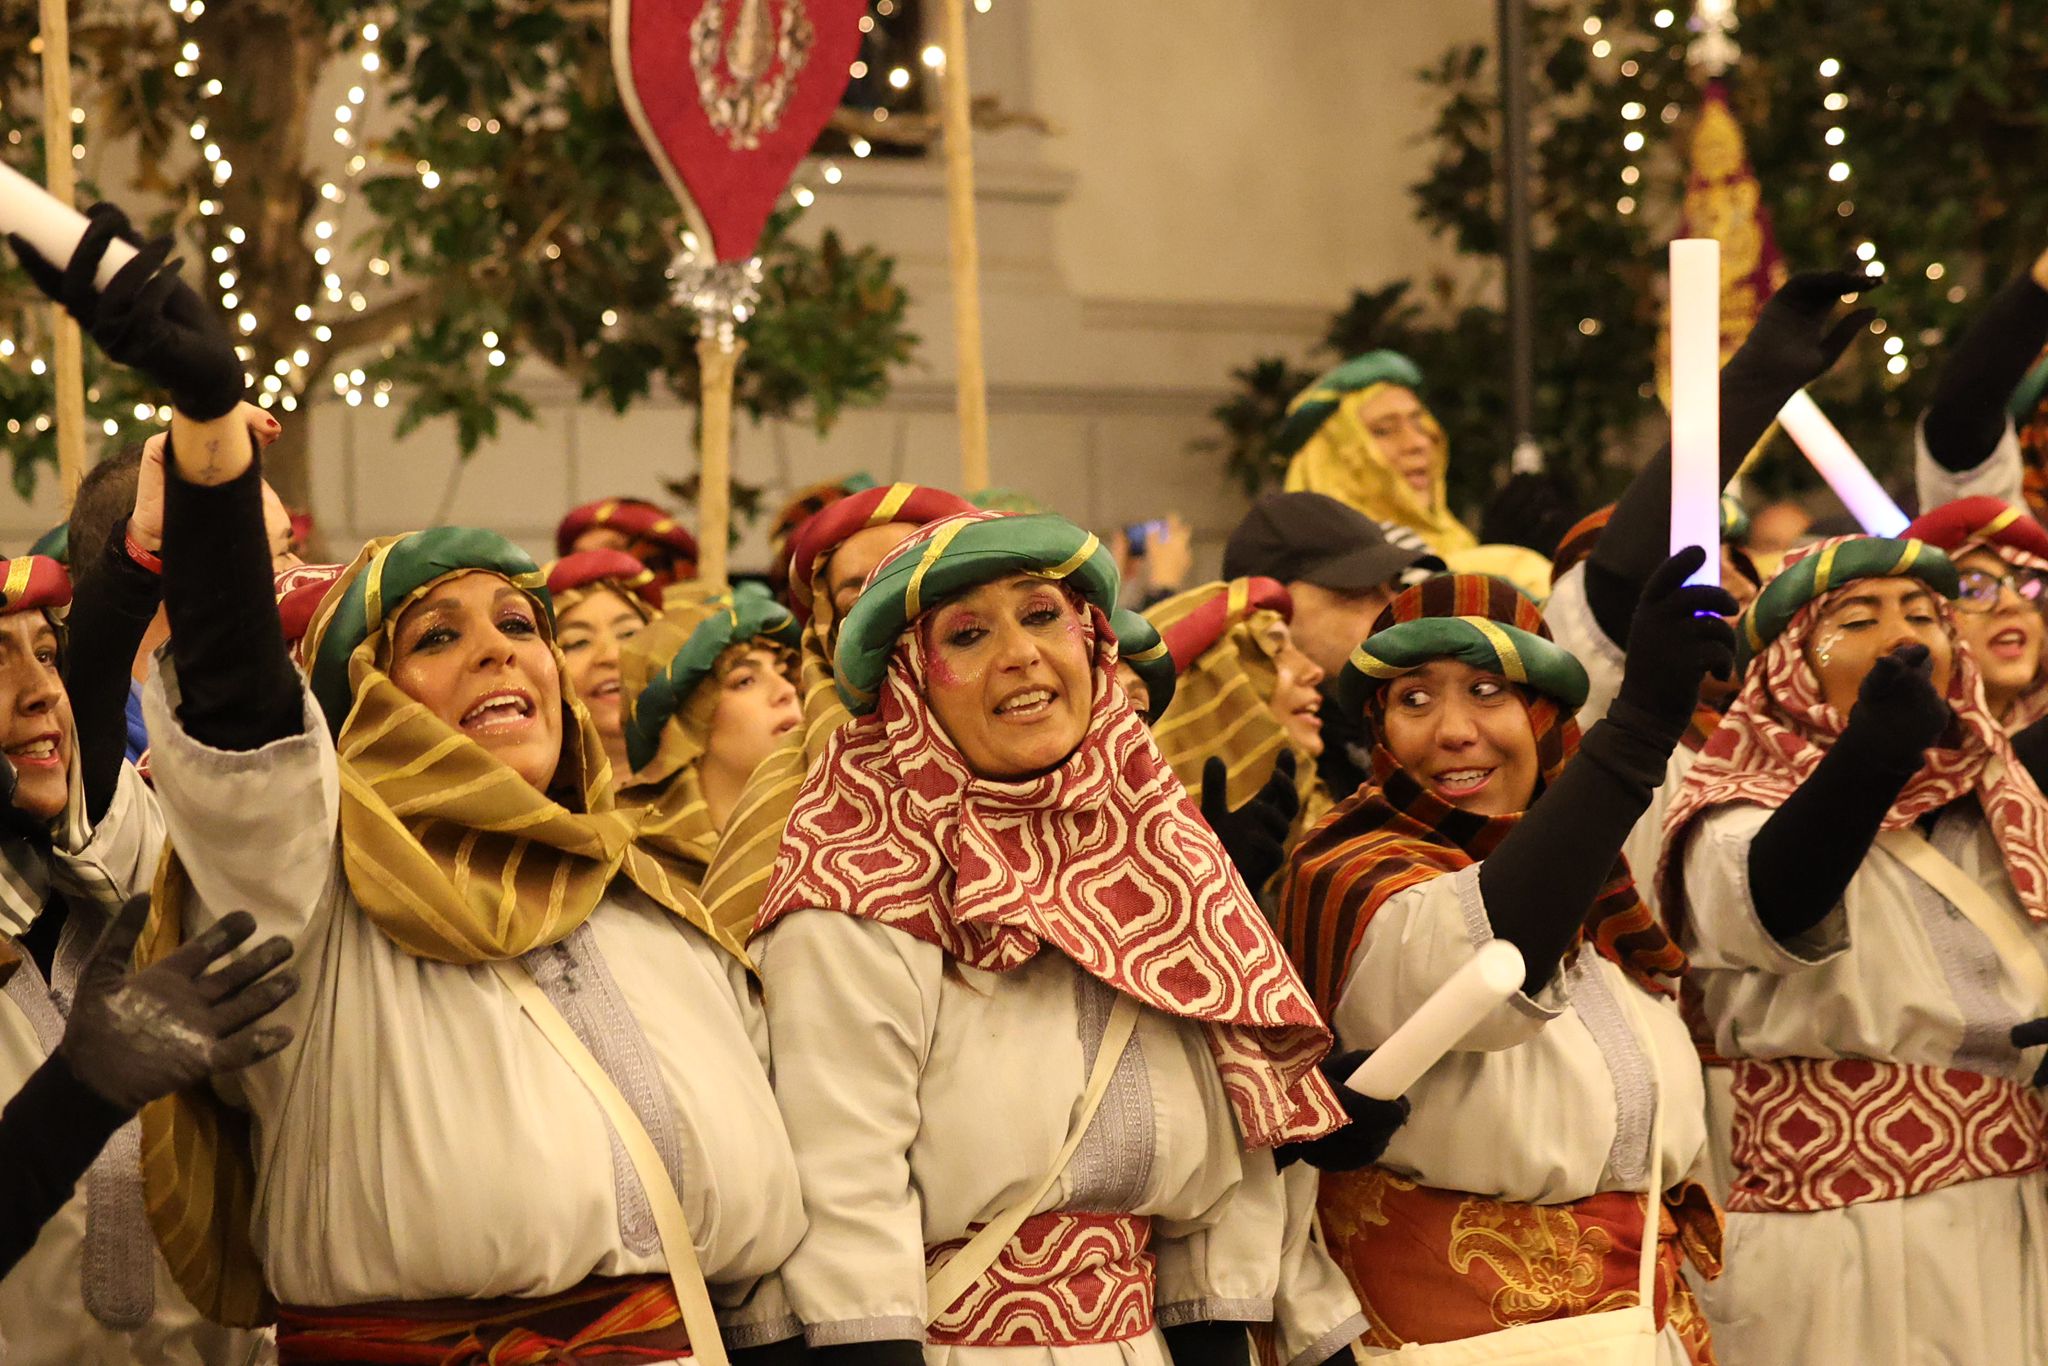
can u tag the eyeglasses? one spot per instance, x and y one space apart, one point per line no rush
1978 591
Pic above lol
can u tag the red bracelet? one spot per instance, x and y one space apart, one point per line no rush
144 558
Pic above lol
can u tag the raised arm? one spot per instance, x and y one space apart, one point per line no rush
1967 416
1797 339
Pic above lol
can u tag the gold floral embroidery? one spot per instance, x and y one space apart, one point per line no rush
1549 1266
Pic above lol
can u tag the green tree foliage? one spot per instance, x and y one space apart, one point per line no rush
491 202
1942 110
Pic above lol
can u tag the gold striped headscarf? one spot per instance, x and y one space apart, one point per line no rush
448 851
738 876
668 672
1217 633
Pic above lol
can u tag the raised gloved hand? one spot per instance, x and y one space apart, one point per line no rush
1797 337
2033 1034
1359 1143
1676 638
133 1037
1898 712
1255 834
147 318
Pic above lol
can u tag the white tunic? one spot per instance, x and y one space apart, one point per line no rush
44 1318
925 1096
1999 475
420 1139
1552 1098
1897 974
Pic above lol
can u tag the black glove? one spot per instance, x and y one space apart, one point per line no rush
2033 1034
1254 835
1359 1143
133 1037
2030 747
1676 638
1208 1342
147 318
1797 337
1898 713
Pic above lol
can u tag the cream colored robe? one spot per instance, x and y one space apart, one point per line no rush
420 1139
1897 974
924 1096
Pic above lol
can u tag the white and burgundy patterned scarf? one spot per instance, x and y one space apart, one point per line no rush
1780 727
1105 859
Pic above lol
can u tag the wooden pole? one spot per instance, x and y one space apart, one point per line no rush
60 177
966 252
718 361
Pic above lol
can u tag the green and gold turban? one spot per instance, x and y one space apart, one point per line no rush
400 569
1313 406
948 557
1471 618
1139 645
1827 567
750 613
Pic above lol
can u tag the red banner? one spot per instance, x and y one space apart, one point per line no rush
729 95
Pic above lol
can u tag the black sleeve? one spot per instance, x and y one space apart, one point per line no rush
1637 537
50 1133
1208 1342
111 607
1801 861
2031 747
1967 416
237 687
885 1352
1541 882
790 1351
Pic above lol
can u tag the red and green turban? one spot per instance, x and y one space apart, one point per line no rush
1138 645
1962 526
29 582
1827 568
749 614
823 533
403 567
632 517
947 558
614 569
1473 618
1190 637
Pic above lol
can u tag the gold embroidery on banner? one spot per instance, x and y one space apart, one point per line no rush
747 67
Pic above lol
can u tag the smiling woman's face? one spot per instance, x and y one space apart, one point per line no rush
1464 734
1296 704
1009 675
471 650
590 634
1869 618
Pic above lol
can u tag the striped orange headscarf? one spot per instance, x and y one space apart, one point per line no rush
1394 833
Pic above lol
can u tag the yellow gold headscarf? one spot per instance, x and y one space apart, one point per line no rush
1343 461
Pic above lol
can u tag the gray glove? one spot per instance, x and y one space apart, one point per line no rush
136 1036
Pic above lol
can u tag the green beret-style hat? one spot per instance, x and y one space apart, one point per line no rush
386 575
948 557
1515 654
1312 406
1139 645
54 544
751 613
1828 566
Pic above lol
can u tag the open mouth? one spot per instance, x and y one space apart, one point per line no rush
608 690
2010 643
1456 783
41 752
1028 704
787 726
503 710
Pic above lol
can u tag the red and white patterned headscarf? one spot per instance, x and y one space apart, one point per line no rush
1781 727
1104 859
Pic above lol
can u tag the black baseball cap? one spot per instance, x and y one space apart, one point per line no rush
1314 538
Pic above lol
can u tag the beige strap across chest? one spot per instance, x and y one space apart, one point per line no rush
677 1245
949 1282
1997 923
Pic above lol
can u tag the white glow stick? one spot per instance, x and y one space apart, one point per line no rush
1696 401
1828 452
50 225
1473 992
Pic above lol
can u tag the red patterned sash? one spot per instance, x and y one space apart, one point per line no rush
1064 1280
606 1321
1812 1134
1435 1265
